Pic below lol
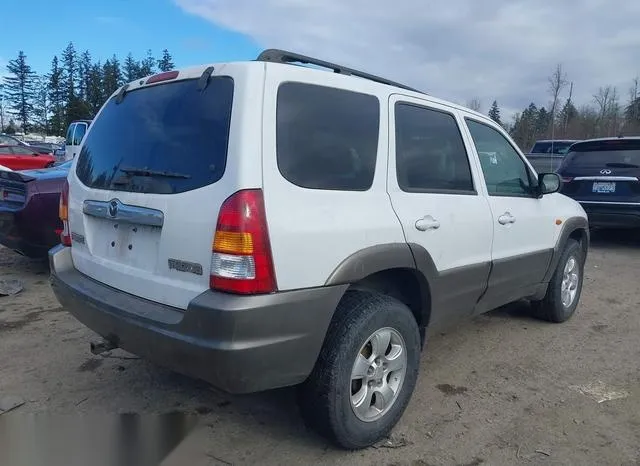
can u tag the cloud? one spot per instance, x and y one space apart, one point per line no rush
454 49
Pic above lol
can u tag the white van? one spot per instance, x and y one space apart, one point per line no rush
75 135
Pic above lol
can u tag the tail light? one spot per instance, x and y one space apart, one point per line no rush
241 260
65 235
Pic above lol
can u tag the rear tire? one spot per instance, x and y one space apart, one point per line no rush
366 371
565 287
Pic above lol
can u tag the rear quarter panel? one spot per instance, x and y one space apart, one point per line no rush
312 231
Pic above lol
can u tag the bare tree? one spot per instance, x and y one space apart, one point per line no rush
475 104
613 114
603 100
634 95
557 82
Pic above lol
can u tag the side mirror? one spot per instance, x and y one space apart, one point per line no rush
549 183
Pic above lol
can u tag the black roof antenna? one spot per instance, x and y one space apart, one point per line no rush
282 56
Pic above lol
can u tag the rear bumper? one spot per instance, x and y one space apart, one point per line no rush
612 215
24 234
240 344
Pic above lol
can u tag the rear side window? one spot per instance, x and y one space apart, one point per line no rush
327 138
78 134
618 153
430 153
69 139
163 139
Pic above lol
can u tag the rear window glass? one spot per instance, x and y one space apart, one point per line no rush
613 154
327 138
551 148
163 139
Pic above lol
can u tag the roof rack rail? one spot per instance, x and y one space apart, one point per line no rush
282 56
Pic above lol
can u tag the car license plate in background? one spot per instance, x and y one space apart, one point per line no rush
604 187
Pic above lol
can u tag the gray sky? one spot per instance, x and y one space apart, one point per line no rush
454 49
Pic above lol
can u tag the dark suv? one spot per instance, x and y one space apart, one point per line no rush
604 176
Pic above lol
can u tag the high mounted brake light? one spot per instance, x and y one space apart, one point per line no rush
166 76
65 234
241 260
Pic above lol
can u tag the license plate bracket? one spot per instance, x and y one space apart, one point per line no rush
604 187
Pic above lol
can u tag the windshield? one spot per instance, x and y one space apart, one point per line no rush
164 139
557 147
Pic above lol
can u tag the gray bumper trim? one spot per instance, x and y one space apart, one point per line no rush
240 344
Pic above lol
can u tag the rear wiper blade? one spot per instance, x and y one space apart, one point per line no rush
621 165
147 172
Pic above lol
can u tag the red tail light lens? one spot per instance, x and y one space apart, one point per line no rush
65 235
241 260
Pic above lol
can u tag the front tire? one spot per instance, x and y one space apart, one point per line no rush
366 372
565 287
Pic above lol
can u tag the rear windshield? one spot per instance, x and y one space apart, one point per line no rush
613 154
163 139
551 148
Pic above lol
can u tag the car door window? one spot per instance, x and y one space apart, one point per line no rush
505 173
22 151
430 152
6 139
69 140
78 134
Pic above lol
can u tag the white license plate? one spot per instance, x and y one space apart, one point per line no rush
604 187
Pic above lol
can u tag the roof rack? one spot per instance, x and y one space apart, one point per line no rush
282 56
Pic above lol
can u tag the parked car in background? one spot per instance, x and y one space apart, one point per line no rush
201 259
75 135
604 176
29 217
43 147
546 155
8 140
24 158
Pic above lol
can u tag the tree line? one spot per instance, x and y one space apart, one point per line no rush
75 88
609 113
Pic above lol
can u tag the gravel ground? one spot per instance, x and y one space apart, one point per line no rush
501 389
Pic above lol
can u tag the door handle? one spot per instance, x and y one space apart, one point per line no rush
427 223
506 219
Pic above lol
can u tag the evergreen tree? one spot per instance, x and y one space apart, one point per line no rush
131 69
55 88
543 122
147 65
166 62
111 77
12 128
84 71
41 104
77 109
20 89
95 93
70 66
568 113
494 112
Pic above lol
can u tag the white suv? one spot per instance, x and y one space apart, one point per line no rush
261 225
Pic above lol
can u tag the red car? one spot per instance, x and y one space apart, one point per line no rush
24 158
